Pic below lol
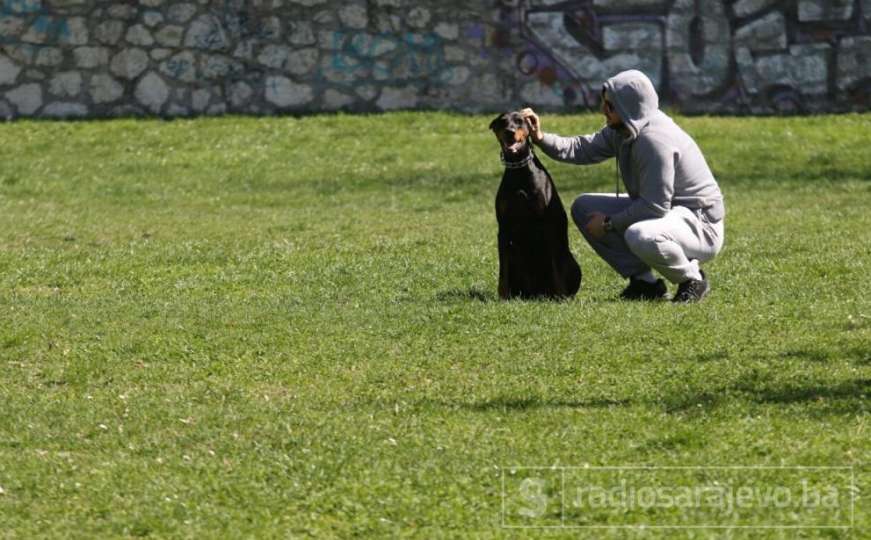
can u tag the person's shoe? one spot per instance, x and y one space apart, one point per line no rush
692 290
639 289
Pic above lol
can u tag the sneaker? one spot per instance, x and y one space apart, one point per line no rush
639 289
692 290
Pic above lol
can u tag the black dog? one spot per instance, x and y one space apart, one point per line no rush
534 256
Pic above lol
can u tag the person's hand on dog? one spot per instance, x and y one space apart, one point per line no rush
596 225
534 124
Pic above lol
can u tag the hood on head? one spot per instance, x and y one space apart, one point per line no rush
634 97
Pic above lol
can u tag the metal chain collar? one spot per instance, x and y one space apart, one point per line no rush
517 164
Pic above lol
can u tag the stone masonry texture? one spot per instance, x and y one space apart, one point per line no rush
99 59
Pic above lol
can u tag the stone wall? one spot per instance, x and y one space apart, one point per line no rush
90 58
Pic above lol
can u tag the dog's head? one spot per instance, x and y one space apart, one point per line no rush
512 131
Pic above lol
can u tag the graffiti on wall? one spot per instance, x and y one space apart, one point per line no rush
741 56
62 58
383 56
42 26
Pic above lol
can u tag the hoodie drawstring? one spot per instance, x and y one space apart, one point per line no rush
617 176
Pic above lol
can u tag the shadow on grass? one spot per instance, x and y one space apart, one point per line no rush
858 355
506 403
475 294
847 397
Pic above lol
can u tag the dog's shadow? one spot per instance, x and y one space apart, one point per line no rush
476 294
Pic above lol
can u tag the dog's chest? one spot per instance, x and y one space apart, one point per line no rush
523 193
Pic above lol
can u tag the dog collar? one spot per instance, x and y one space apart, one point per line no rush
516 164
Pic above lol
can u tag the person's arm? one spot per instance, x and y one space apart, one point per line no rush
581 150
656 167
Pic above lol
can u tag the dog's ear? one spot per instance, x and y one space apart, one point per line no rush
499 123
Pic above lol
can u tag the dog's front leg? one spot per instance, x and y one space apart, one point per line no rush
558 280
504 242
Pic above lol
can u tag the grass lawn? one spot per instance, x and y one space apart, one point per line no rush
279 327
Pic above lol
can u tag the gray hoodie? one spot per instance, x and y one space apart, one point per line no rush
660 164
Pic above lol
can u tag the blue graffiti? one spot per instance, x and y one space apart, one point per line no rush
20 7
54 29
390 56
51 28
176 67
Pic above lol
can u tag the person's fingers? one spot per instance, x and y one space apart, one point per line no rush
533 120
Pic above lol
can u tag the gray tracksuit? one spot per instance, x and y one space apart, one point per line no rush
673 217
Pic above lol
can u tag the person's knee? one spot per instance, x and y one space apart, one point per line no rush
640 239
581 210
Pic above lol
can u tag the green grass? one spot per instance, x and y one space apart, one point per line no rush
286 327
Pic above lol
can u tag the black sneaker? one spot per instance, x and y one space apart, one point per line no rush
692 290
639 289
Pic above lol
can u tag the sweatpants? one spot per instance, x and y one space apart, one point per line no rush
673 245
